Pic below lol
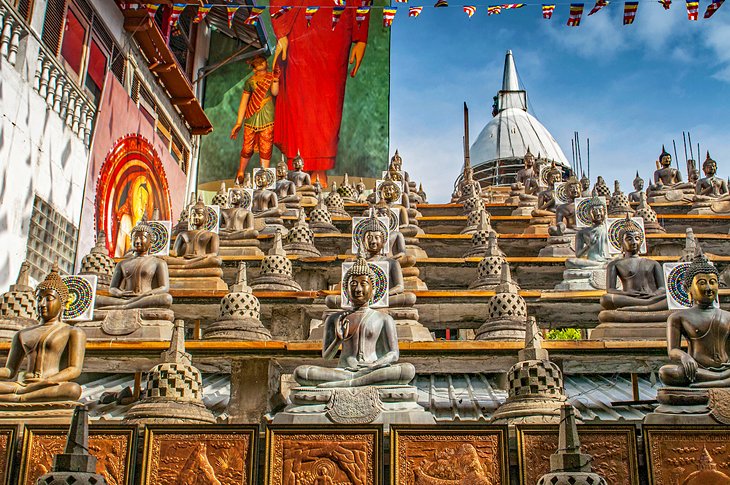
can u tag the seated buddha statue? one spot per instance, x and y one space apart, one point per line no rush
266 209
638 309
196 248
390 192
54 350
302 181
668 179
635 196
585 186
237 222
396 165
710 189
546 198
360 188
366 338
565 212
526 184
285 189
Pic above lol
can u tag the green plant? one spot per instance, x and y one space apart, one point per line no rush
564 334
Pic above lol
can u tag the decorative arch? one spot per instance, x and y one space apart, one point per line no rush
132 183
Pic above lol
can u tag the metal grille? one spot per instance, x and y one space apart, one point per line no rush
118 64
51 238
53 25
24 8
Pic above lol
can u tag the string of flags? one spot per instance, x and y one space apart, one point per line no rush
362 12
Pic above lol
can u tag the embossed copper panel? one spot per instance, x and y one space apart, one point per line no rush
612 448
675 454
113 446
191 455
422 455
323 455
7 447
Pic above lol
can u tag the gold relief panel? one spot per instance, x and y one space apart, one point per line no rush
686 455
191 455
332 455
7 449
612 448
114 447
423 455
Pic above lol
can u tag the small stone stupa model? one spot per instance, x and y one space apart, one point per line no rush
480 238
18 305
300 240
347 191
99 263
489 270
182 222
535 385
335 204
174 392
474 218
238 317
221 197
568 466
651 221
618 205
75 465
506 313
276 270
320 219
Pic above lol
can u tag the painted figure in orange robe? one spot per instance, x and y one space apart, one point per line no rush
314 61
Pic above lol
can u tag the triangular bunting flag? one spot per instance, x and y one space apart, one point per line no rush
712 8
280 12
576 12
177 9
414 11
340 3
401 1
666 4
231 12
309 13
388 16
598 6
494 10
202 12
508 6
253 15
361 14
152 9
547 10
441 3
470 10
336 14
693 8
630 9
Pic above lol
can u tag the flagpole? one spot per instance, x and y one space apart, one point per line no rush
684 139
467 161
675 153
689 140
588 148
580 157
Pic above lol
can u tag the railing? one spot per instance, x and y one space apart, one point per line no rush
51 81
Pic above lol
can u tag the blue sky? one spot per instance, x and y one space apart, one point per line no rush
627 88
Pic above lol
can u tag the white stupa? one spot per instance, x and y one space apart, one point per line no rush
497 153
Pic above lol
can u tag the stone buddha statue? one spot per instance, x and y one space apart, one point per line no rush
237 233
543 215
709 189
585 186
587 270
182 222
138 304
666 180
565 212
266 209
698 377
638 308
360 188
302 181
638 183
526 183
619 204
390 192
55 352
194 262
285 189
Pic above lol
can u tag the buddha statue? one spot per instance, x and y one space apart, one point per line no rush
320 219
668 185
619 204
637 308
396 165
708 190
55 355
602 189
347 191
266 209
638 189
587 271
302 181
18 305
182 222
368 366
526 182
392 194
360 188
99 263
651 221
237 233
335 204
698 378
138 302
543 215
286 190
561 234
194 262
585 186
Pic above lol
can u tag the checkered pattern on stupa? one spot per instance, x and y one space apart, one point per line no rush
274 264
334 202
603 191
99 264
489 267
619 204
473 204
507 305
172 380
647 213
572 478
320 215
531 377
239 305
347 192
220 199
474 218
468 191
300 234
480 238
21 304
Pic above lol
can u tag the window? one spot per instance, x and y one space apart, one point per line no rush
24 8
96 70
51 238
74 38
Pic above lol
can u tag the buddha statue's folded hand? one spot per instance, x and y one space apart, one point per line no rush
690 367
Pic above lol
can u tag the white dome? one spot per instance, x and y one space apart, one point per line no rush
510 134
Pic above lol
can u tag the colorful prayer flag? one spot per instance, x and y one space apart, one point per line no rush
470 10
388 16
547 10
253 15
494 10
231 12
693 8
508 6
177 9
576 12
414 11
666 4
340 3
598 6
630 9
152 9
309 13
202 12
441 3
712 8
280 12
401 1
361 14
336 14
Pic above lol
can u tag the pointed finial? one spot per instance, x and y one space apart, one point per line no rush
302 218
506 284
191 200
484 224
241 285
346 180
569 443
22 283
277 249
533 343
492 246
76 457
616 187
176 352
222 189
706 461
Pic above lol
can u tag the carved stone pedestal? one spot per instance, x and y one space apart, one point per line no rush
59 412
355 405
621 325
153 324
240 247
579 279
539 225
683 406
270 225
671 196
168 412
209 283
559 246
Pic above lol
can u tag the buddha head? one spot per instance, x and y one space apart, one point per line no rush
573 189
281 170
358 283
665 159
298 163
631 237
395 175
360 186
396 162
701 281
141 236
585 182
638 182
529 159
709 166
554 175
373 236
597 210
389 191
235 198
52 294
261 179
197 214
